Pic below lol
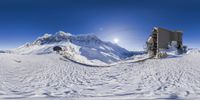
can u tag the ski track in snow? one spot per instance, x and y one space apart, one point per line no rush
46 76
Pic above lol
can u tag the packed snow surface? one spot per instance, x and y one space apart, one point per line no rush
52 76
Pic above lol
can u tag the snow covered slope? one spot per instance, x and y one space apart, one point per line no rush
51 76
82 48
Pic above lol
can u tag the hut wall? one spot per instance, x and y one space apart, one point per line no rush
165 37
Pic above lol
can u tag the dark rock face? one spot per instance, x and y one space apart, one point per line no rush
57 48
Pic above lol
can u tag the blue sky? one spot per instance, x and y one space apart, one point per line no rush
131 21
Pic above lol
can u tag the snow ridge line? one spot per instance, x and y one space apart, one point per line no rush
108 65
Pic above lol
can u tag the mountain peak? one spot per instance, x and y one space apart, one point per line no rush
46 35
62 36
62 33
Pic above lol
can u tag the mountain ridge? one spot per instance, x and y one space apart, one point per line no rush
84 48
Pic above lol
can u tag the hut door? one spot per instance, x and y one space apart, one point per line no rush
155 39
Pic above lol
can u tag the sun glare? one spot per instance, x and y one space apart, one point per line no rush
115 40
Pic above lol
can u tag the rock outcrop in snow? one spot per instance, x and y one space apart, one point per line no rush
82 48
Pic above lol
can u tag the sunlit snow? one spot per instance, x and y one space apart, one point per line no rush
34 71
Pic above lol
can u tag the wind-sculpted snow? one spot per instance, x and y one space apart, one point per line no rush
48 76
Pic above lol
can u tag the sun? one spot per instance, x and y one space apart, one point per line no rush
116 40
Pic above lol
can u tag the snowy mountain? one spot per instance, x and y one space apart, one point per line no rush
82 48
1 51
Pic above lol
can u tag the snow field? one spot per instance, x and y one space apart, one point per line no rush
46 76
